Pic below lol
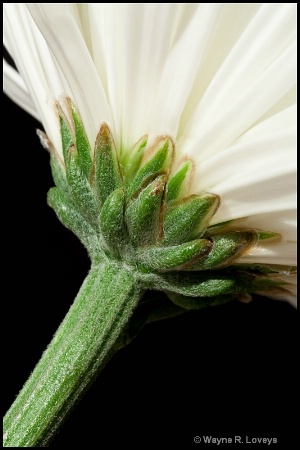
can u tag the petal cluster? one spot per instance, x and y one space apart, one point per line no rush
218 78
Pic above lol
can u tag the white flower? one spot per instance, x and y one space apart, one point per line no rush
219 78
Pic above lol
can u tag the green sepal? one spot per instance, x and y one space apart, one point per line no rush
68 214
211 283
175 257
196 303
223 299
219 227
188 219
58 173
177 182
111 221
143 214
66 135
132 160
226 248
265 284
80 188
107 171
190 303
201 284
261 268
157 160
82 143
263 235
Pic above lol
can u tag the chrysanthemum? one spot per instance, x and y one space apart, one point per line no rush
219 79
215 81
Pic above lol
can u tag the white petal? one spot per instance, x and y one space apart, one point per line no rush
239 116
129 57
63 36
196 25
35 65
283 222
283 253
256 74
195 53
258 173
259 157
281 250
15 88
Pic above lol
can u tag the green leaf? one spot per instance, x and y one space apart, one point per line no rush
107 171
82 143
80 188
68 214
112 221
143 214
188 219
177 184
157 160
175 257
226 248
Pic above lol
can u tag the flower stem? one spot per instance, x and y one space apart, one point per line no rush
78 351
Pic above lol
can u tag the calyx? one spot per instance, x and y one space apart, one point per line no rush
135 210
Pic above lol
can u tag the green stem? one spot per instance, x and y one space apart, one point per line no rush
74 357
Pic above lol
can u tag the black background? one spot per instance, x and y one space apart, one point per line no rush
224 371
